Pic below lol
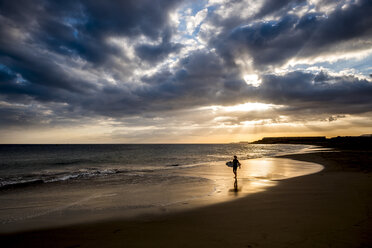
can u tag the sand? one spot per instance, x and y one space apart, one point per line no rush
331 208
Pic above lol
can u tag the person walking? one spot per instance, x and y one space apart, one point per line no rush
235 165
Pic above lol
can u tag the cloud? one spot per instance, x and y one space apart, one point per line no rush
274 6
156 53
77 30
291 36
200 79
318 93
74 62
193 21
59 51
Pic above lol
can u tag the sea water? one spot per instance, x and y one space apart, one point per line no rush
64 184
25 164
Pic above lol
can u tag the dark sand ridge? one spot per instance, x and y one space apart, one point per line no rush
332 208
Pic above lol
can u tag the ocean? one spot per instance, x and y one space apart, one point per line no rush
71 183
28 164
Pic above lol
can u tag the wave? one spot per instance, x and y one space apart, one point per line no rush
36 179
20 183
33 179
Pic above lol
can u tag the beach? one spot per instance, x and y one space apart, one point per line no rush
331 208
48 186
123 124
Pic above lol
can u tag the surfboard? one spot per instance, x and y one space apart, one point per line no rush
230 164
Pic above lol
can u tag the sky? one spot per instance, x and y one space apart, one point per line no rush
167 71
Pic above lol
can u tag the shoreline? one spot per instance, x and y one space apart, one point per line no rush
331 207
184 190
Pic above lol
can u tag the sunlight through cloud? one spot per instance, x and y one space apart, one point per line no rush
252 79
245 107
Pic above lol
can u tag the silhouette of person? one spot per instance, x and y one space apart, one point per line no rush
235 165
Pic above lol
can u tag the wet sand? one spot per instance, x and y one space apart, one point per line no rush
154 193
331 208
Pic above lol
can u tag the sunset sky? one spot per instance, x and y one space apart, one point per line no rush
172 71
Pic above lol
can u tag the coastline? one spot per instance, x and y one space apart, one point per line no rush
329 208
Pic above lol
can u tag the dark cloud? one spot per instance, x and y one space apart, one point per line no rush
81 27
155 53
38 70
275 42
300 92
75 29
158 52
56 61
201 79
43 41
11 116
318 93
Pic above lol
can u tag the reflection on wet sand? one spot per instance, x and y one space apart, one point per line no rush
255 175
236 189
179 189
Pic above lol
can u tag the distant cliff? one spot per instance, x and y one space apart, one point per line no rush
291 140
362 142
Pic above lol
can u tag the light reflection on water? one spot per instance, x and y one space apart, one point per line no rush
255 175
277 168
153 192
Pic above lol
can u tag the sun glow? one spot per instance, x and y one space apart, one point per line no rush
245 107
252 79
249 106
